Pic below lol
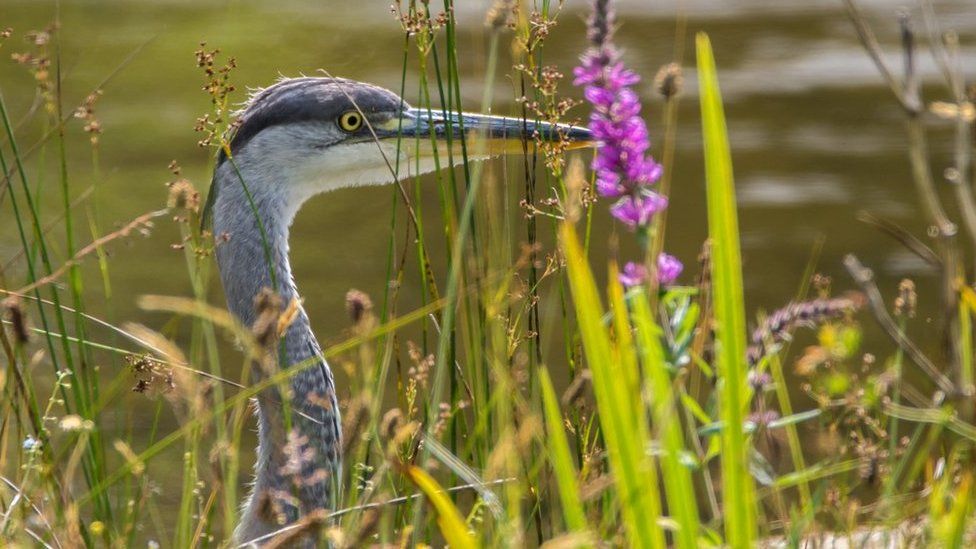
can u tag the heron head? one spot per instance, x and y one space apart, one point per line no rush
314 134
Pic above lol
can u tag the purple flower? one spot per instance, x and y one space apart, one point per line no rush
668 269
634 274
610 186
621 76
624 170
762 419
601 97
637 211
759 380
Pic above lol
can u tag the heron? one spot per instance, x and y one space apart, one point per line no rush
295 139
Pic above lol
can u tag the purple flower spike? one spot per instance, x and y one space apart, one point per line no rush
637 211
668 269
624 170
634 274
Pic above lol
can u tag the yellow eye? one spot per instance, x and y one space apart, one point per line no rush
350 121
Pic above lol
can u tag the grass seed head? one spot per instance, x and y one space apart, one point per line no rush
392 420
183 196
267 305
14 311
669 81
359 307
420 370
152 377
354 421
907 300
86 113
38 63
502 14
74 423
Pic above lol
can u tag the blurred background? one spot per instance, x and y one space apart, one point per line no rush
816 135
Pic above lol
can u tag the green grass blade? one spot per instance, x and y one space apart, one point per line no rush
678 485
953 526
626 355
561 458
449 519
730 319
624 434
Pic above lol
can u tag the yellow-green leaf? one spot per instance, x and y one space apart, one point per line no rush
449 519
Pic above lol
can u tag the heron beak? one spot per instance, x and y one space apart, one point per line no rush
483 133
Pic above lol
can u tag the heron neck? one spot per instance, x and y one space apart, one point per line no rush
251 230
252 249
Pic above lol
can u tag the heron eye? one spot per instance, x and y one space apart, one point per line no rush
350 121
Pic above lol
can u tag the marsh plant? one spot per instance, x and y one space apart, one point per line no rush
679 417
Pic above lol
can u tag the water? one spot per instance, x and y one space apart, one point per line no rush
816 137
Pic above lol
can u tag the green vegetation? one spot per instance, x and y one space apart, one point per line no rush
528 399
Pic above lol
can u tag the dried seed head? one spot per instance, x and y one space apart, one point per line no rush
392 420
267 305
183 196
218 453
74 422
40 38
358 306
86 112
152 377
821 283
38 63
907 300
422 365
669 80
404 433
17 316
500 14
218 86
354 421
5 34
